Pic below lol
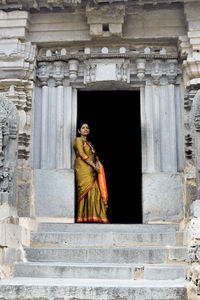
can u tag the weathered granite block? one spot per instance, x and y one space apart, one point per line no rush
24 174
11 255
7 211
4 197
24 192
178 254
10 235
195 209
54 193
162 197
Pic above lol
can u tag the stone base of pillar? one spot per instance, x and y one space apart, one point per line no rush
162 197
54 193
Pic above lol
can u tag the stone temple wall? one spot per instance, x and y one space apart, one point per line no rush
49 50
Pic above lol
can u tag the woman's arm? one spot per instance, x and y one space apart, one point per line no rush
83 155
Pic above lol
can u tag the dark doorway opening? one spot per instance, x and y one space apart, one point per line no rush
114 119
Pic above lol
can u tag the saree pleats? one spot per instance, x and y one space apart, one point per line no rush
91 204
91 208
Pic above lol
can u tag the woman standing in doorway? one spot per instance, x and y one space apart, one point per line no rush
90 180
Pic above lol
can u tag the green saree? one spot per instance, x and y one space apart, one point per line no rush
91 203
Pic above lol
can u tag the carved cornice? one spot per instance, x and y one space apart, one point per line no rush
84 53
38 4
17 59
85 66
63 4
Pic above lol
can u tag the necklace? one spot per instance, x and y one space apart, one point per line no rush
84 139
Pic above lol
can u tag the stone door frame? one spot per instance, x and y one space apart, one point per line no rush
157 76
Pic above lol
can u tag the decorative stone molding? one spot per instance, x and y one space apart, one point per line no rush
127 65
73 69
8 132
17 64
156 72
188 146
192 68
141 68
63 4
20 93
57 71
188 99
38 4
16 59
107 51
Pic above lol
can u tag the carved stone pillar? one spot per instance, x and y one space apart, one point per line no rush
9 120
17 85
162 152
11 233
55 111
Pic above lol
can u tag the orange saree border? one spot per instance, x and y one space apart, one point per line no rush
93 218
102 184
87 191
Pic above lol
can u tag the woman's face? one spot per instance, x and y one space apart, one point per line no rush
84 130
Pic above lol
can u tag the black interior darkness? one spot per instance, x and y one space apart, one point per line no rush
114 120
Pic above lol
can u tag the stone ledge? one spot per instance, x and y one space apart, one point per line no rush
43 289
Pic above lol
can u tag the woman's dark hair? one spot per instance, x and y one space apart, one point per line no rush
80 124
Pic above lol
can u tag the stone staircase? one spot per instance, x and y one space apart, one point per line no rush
101 262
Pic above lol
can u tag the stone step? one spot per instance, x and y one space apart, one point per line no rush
100 239
81 270
99 271
101 289
164 272
134 255
63 227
